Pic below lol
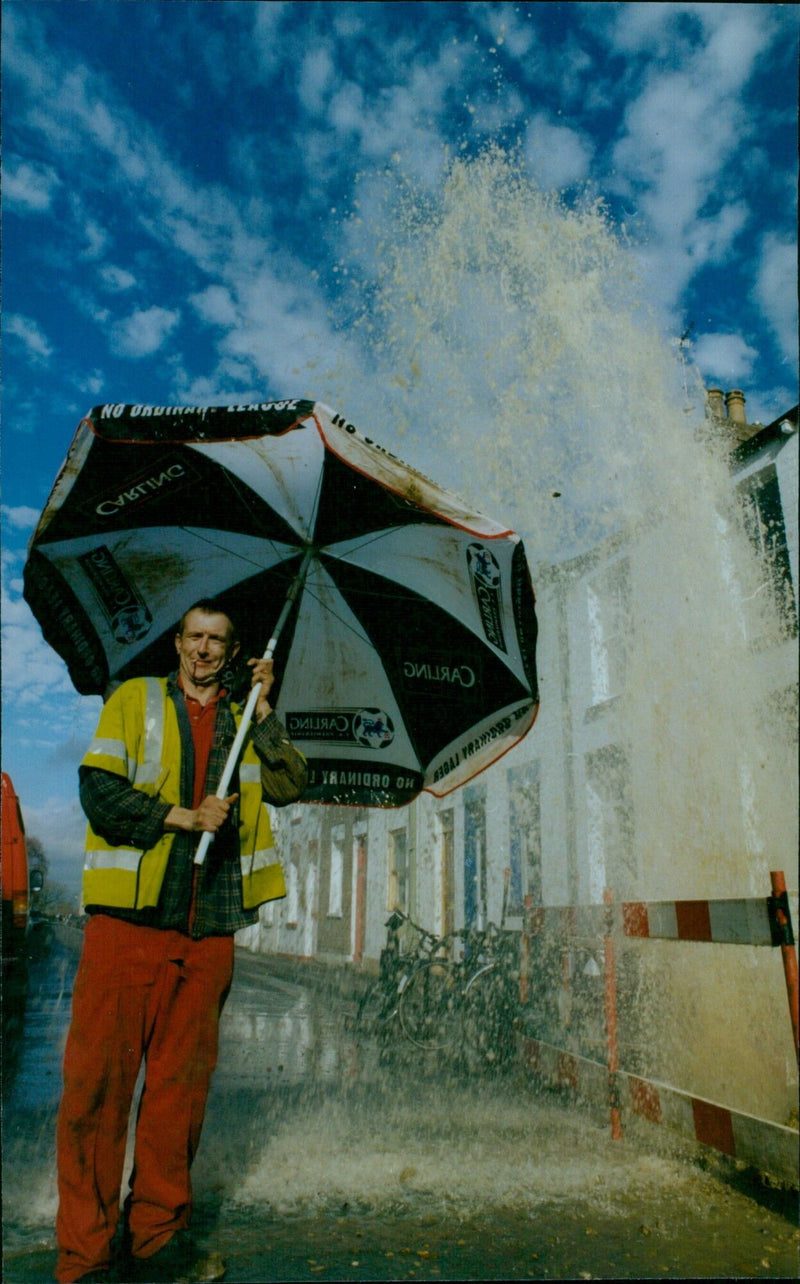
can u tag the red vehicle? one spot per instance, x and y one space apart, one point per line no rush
17 887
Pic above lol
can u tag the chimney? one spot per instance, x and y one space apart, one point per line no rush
715 402
734 400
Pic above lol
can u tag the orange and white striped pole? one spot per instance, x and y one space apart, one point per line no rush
612 1043
785 937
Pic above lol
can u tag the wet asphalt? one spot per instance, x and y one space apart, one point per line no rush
331 1154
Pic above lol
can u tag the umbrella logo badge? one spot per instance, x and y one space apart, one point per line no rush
125 611
486 577
373 728
131 623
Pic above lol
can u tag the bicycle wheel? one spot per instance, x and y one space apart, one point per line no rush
490 1010
428 1005
376 1007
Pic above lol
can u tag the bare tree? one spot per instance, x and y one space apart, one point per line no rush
36 855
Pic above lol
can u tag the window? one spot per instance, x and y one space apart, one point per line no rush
608 606
398 871
609 816
448 866
475 857
763 515
359 896
525 837
337 872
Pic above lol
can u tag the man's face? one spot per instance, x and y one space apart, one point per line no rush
204 647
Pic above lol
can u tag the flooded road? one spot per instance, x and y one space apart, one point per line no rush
327 1157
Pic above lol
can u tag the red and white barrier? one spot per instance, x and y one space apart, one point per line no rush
742 922
762 921
764 1144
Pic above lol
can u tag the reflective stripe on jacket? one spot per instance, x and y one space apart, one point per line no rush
138 738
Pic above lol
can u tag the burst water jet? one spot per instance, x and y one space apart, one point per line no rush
511 349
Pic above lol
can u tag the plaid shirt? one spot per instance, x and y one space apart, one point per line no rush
124 815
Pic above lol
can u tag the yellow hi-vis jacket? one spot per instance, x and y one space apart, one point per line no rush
138 738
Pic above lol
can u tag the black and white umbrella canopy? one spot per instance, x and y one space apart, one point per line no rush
408 659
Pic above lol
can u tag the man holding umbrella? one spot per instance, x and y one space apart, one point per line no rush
157 959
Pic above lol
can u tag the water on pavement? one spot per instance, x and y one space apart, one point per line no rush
326 1156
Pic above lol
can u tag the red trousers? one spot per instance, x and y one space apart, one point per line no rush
139 993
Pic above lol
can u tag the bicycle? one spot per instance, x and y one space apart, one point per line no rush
492 1000
471 1004
379 1004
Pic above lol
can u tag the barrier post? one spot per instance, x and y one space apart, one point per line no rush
781 922
525 952
612 1044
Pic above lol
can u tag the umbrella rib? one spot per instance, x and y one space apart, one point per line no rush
365 543
363 637
249 561
246 497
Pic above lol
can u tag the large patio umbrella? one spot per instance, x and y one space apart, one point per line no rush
402 622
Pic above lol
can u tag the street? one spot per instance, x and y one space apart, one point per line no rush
322 1159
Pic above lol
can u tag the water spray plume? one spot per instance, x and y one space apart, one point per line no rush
511 347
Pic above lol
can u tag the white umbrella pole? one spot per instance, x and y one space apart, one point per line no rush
252 701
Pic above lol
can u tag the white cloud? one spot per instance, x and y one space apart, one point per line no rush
21 517
89 305
404 119
222 238
117 279
724 358
347 111
266 38
679 132
30 334
737 35
776 291
143 332
91 384
506 27
767 404
28 187
639 27
317 75
682 127
283 330
556 154
348 21
95 238
709 240
32 672
729 36
682 130
215 306
60 825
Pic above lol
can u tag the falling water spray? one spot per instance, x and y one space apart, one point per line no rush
507 346
511 351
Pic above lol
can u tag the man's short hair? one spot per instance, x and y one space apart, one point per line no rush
210 606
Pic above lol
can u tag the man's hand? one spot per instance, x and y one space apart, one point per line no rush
263 677
207 818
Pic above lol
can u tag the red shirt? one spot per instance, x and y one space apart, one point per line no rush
201 719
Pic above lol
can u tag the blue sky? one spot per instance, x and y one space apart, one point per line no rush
194 210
